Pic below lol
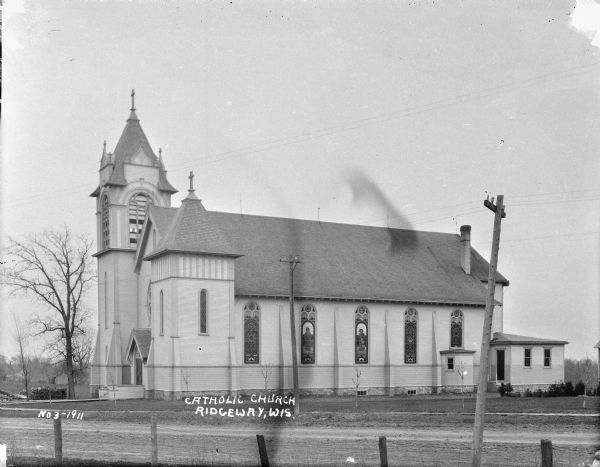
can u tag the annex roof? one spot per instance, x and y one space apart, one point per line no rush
597 346
514 339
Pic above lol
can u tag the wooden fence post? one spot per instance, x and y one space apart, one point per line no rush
546 453
154 440
383 451
262 451
58 440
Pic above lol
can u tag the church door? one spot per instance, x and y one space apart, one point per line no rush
499 365
138 371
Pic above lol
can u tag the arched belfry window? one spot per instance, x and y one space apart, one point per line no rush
202 311
361 335
252 333
410 336
105 222
307 321
456 329
137 213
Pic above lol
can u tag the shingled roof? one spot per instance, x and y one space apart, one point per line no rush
132 140
341 261
514 339
142 338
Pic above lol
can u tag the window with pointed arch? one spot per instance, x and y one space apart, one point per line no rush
105 222
307 324
456 329
252 333
410 336
137 214
162 313
202 310
361 335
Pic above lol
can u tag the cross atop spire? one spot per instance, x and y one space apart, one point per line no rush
191 177
132 100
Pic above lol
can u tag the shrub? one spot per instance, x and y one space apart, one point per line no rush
528 393
502 389
48 393
509 389
579 388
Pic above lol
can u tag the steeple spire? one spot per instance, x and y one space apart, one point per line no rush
132 100
191 177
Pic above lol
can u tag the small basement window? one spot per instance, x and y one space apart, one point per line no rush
412 392
362 392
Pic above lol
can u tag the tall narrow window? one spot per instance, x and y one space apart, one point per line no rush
202 312
456 329
361 335
105 302
162 314
527 358
137 213
251 333
547 358
307 320
410 336
105 222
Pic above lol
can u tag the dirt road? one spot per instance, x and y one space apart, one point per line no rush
187 444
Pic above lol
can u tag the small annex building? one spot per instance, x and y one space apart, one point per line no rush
196 301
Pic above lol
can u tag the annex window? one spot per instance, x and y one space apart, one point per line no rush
105 222
361 335
251 333
307 324
162 313
137 213
202 312
410 336
547 358
456 329
451 363
527 358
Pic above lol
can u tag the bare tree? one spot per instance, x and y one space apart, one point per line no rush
267 371
56 269
82 345
356 381
24 360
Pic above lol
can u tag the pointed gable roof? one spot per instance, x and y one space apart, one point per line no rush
192 231
132 141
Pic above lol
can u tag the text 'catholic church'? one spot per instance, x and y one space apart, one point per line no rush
194 301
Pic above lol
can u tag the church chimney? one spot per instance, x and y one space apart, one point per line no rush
465 250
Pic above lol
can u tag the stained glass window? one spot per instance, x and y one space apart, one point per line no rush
105 223
202 312
307 321
251 332
137 213
410 336
456 329
361 335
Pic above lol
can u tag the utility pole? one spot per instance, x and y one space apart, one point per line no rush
498 209
293 261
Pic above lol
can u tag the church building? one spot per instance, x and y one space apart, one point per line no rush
193 301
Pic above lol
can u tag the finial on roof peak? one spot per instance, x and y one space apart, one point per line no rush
191 177
132 100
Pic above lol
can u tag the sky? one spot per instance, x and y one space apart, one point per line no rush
280 107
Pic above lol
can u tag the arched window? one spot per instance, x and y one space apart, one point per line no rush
137 213
307 324
410 336
202 312
162 314
361 335
456 329
251 333
105 222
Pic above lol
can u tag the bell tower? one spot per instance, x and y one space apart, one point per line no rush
131 179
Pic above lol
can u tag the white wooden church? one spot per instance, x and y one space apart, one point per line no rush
192 301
